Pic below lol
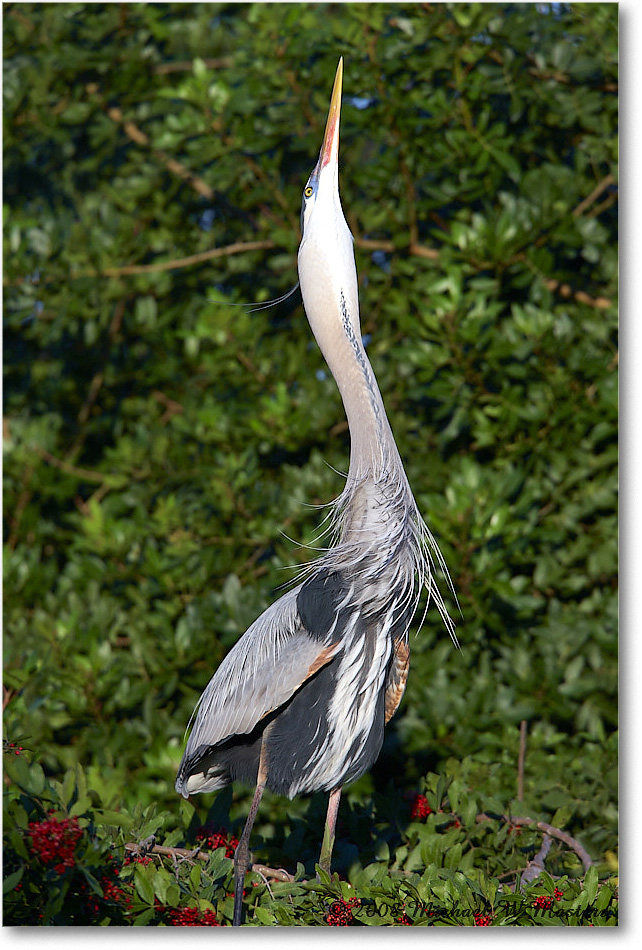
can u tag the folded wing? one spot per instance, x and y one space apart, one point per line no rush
263 670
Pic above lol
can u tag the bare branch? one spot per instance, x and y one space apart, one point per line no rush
587 202
277 874
238 248
535 867
83 473
417 250
572 843
23 500
565 290
150 847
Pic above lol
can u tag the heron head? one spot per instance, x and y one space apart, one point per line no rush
327 270
322 187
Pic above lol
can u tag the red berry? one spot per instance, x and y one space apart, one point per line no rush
55 841
420 807
543 903
340 914
192 917
217 839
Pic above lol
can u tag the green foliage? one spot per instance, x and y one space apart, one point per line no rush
440 869
162 447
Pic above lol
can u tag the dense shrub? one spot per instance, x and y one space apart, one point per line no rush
163 445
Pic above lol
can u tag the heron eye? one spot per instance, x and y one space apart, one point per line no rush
308 191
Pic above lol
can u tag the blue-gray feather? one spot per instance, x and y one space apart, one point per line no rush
301 700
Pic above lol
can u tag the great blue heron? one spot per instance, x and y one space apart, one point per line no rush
300 702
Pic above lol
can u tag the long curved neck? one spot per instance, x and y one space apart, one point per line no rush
328 279
372 446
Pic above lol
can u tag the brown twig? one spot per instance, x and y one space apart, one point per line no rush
538 864
603 206
92 394
148 847
144 848
83 473
551 830
277 874
245 361
572 843
566 291
176 168
239 247
597 191
23 500
7 696
416 250
172 408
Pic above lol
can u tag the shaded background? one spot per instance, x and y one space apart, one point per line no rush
162 448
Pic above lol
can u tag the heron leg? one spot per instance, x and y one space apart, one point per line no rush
242 856
330 825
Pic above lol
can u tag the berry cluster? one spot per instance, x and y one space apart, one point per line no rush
217 839
340 914
404 920
192 917
543 903
112 891
55 840
483 920
138 859
12 747
420 807
546 903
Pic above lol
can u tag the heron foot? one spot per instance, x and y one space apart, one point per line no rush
241 861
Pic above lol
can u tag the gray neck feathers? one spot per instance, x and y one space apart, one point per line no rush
379 531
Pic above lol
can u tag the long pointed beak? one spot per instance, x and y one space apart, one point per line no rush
330 148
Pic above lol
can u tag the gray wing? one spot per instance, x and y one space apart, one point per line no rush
268 664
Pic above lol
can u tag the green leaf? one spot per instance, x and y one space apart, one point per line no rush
186 811
195 876
93 883
80 807
162 882
143 919
117 818
322 876
591 883
604 897
144 882
11 881
264 917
